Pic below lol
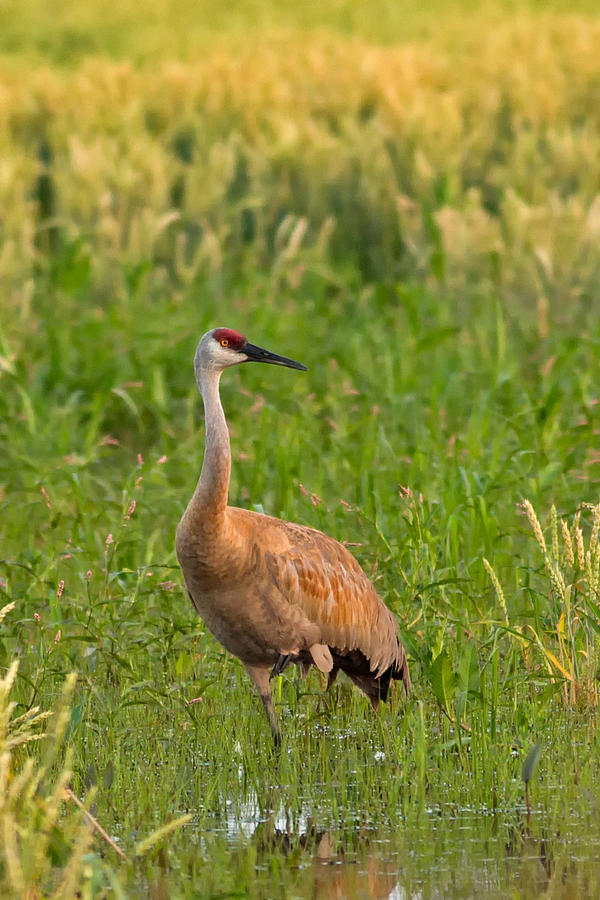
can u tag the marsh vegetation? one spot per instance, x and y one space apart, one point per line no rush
410 206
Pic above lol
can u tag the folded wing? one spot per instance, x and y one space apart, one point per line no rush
322 577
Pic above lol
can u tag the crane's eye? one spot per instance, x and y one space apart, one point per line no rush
224 342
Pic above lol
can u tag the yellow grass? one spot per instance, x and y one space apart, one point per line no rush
497 139
573 594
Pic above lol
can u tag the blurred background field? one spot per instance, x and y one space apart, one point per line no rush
408 201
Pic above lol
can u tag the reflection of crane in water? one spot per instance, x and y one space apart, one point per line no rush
352 862
270 591
340 868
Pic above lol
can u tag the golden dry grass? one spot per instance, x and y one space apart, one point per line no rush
486 151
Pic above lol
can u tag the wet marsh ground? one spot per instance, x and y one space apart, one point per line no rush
415 219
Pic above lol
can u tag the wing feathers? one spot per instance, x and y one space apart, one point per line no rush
320 576
321 655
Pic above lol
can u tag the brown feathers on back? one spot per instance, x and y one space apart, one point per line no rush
294 574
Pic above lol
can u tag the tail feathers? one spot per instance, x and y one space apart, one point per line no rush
356 666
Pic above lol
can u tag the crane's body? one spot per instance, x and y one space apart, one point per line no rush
273 592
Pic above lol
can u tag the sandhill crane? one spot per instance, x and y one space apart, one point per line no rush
273 592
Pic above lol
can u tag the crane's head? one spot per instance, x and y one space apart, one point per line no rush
223 347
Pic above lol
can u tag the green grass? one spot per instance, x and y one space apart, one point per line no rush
438 275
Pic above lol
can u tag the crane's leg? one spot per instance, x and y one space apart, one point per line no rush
260 677
320 655
283 661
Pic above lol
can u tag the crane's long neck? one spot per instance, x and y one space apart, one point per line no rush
210 496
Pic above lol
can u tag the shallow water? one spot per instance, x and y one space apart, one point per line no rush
349 811
442 852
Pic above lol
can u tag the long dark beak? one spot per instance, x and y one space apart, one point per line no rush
257 354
